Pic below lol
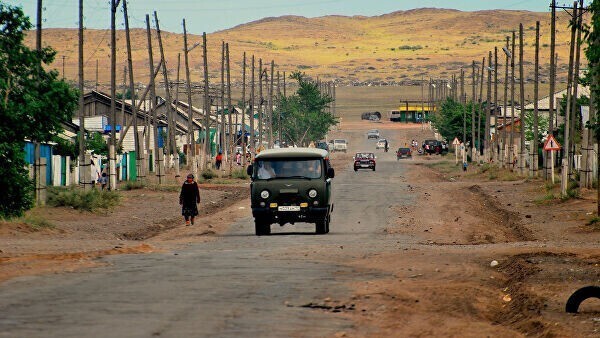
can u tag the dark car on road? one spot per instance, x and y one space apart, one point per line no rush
435 147
364 160
403 153
291 185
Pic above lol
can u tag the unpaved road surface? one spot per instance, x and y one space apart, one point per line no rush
408 255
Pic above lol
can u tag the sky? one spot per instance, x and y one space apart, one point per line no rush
213 15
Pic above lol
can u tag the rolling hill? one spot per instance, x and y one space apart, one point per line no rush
394 48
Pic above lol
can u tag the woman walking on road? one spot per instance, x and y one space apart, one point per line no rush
189 199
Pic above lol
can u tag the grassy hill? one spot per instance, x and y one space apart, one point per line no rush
393 48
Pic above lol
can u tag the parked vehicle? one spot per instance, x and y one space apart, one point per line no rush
435 147
322 145
373 116
291 185
364 160
373 133
340 145
403 153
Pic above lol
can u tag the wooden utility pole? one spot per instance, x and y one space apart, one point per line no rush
552 84
83 177
534 143
576 113
172 128
222 138
523 152
191 158
503 150
271 105
488 112
495 143
139 158
252 101
463 101
260 104
230 110
511 146
158 161
480 112
207 151
278 99
244 109
567 140
176 112
473 112
284 86
96 84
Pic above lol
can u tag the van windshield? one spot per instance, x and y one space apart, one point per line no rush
286 168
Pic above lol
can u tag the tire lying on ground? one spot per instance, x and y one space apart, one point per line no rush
579 296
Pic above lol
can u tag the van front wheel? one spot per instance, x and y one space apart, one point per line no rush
262 228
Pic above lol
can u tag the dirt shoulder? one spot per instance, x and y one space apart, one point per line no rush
145 221
444 284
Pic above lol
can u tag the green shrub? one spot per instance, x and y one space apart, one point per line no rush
132 185
76 198
207 174
37 223
240 173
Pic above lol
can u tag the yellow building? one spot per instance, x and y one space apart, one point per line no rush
411 111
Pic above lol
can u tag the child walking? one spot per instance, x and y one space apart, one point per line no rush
189 198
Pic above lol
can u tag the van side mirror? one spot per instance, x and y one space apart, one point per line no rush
330 173
249 170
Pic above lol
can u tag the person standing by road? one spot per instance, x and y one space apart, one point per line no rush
189 198
219 160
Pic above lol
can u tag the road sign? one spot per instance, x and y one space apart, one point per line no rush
551 144
455 142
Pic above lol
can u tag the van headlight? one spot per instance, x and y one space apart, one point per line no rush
264 194
312 193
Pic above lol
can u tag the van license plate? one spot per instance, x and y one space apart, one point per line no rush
289 208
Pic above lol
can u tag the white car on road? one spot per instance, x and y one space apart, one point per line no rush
340 145
381 143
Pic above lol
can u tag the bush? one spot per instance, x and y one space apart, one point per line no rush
37 223
82 200
240 173
207 174
132 185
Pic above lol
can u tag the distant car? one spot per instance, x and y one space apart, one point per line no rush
374 118
340 145
322 145
403 153
381 143
364 160
373 133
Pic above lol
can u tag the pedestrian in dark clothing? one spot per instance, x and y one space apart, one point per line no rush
189 199
218 160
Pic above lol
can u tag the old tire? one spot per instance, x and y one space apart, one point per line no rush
579 296
262 228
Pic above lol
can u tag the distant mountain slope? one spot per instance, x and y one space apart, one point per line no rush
391 48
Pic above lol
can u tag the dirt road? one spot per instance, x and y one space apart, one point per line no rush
408 254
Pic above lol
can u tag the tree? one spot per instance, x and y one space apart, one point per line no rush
449 120
33 102
303 115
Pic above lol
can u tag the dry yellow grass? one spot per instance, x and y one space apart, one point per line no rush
348 49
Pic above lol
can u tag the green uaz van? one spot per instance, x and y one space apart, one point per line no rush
291 185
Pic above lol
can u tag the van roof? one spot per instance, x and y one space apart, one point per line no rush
292 153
